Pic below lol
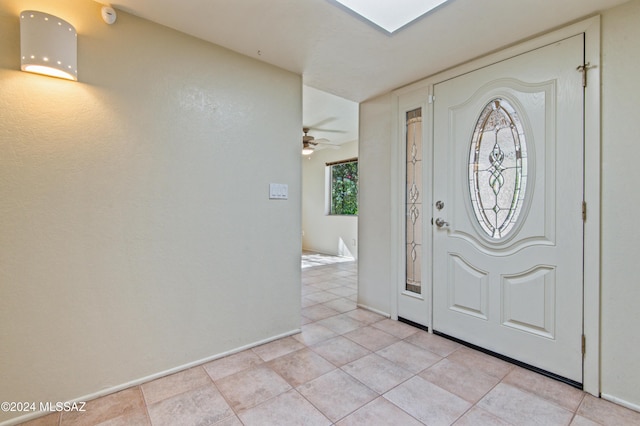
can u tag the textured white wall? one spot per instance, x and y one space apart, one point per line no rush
374 222
337 235
620 203
133 202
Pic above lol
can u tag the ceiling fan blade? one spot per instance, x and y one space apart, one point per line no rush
317 129
321 122
327 142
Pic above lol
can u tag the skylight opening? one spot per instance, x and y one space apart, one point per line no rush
391 15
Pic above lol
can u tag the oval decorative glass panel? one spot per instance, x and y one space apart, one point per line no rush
497 168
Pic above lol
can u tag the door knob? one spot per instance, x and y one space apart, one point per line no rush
440 223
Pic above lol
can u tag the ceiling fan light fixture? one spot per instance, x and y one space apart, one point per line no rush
307 149
307 142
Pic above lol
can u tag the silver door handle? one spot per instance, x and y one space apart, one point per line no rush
440 223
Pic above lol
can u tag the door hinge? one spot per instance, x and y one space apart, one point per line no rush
584 211
431 99
584 345
583 69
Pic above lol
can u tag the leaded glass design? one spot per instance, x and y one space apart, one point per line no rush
414 201
498 168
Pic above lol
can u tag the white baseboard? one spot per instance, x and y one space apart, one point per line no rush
368 308
616 400
113 389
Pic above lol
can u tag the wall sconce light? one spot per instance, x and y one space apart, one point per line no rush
48 45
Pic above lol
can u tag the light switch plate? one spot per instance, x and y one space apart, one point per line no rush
278 191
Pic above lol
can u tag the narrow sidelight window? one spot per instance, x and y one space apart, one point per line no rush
413 198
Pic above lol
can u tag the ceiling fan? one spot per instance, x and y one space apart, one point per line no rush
309 143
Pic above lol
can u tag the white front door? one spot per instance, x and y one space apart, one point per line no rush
508 192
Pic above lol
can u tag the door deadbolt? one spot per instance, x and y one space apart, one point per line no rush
439 205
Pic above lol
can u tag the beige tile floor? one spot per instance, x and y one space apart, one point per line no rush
350 366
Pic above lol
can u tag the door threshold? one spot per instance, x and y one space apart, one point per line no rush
521 364
413 324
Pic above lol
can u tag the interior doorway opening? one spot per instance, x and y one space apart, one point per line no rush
329 151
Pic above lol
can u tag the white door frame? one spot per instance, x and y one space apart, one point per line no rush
409 95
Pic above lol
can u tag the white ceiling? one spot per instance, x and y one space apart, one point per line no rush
328 116
338 52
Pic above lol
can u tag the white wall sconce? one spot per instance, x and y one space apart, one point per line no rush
48 45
